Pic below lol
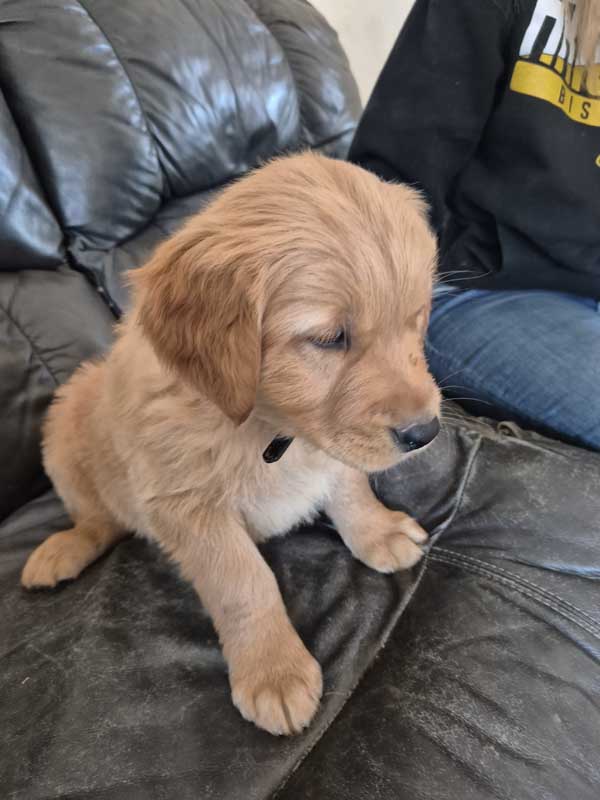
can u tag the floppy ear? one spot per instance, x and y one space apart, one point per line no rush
199 309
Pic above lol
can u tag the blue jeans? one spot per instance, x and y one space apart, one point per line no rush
529 356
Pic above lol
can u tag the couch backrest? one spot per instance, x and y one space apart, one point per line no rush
121 106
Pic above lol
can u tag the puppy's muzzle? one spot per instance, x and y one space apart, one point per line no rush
417 436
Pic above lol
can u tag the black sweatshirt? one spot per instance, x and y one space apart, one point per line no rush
482 105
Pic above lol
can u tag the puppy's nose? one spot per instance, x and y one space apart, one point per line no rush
416 436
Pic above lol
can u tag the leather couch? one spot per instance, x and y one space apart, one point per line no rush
474 676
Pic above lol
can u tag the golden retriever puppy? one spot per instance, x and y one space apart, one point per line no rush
289 313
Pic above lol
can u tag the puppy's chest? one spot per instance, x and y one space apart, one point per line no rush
288 494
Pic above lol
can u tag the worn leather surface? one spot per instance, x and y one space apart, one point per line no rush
50 321
488 686
115 686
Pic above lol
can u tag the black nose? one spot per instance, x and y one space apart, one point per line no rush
417 435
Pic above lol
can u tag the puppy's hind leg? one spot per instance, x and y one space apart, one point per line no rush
63 556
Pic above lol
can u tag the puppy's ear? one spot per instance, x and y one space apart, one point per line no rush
200 310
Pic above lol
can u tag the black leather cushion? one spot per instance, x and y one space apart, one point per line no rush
50 321
328 99
151 100
489 686
114 686
29 234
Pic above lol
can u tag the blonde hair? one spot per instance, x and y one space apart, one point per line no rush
588 39
588 29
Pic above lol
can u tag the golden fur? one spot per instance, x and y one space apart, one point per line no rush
221 352
588 28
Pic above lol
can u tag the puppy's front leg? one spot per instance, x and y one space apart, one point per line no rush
382 539
275 681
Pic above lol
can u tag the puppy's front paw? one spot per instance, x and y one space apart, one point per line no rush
279 694
393 546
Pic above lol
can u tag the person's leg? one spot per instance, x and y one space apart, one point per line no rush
529 356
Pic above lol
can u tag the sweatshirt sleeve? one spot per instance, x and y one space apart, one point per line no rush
429 107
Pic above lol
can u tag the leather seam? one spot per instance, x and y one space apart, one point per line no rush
387 633
31 343
333 138
39 185
253 8
516 584
299 94
519 579
134 92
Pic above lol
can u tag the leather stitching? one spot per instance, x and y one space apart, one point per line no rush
34 349
520 579
528 590
388 632
333 138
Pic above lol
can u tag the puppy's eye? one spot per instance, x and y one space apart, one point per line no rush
339 340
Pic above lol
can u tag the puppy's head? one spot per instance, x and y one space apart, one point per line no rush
302 294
